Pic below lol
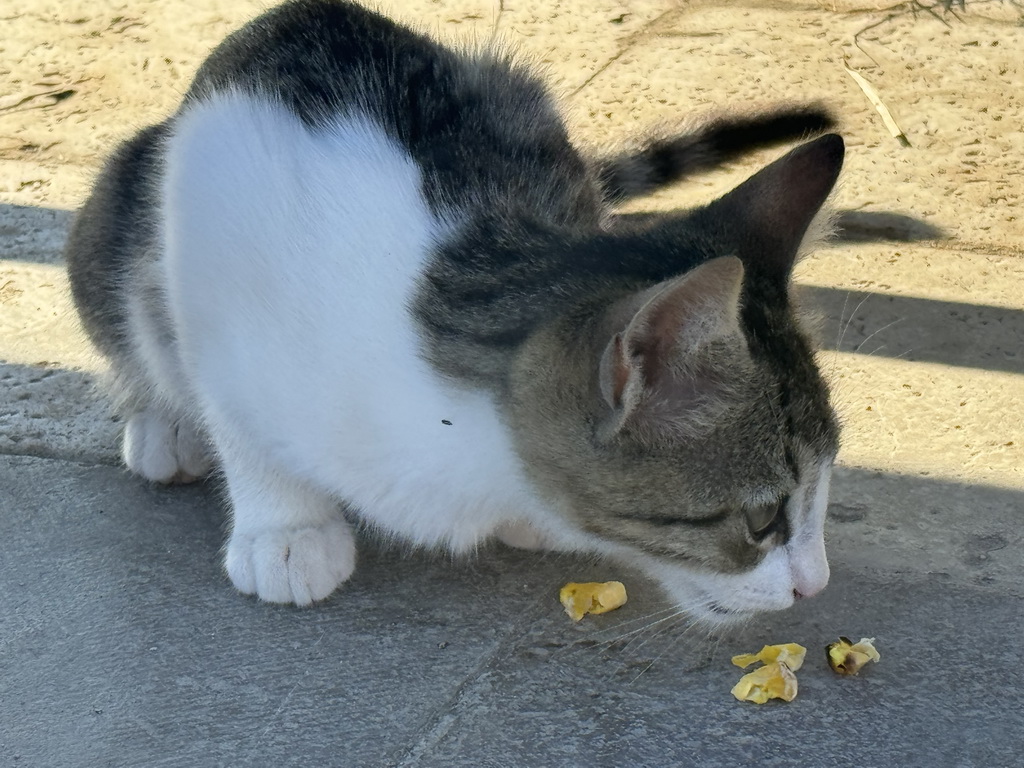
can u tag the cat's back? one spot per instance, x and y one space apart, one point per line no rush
481 127
323 162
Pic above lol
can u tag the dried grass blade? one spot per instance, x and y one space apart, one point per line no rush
879 105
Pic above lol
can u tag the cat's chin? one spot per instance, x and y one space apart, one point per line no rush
720 600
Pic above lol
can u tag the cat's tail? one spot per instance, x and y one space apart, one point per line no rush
705 145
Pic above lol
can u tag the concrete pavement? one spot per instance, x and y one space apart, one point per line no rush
125 645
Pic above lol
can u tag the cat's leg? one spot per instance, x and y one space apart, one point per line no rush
164 447
289 542
162 441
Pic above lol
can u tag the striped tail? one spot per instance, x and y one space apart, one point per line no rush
708 144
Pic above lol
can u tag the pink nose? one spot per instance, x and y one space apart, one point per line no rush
810 579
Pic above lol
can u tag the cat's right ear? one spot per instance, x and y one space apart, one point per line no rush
648 376
767 216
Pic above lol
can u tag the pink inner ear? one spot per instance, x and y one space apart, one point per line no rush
620 371
688 312
614 374
649 366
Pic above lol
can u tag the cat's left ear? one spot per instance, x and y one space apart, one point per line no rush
768 215
648 373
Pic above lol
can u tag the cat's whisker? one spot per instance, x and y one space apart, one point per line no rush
645 617
879 348
638 619
694 625
604 644
656 635
600 640
843 325
650 664
694 622
497 21
872 335
847 322
653 636
842 319
637 634
671 621
718 642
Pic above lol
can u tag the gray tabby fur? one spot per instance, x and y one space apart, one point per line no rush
651 413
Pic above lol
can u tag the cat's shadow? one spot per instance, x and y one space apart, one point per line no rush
852 226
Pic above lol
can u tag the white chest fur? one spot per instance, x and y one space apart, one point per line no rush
291 259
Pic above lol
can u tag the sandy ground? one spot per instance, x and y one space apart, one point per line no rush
929 369
922 299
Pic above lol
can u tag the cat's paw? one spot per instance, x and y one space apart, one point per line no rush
292 565
164 450
522 535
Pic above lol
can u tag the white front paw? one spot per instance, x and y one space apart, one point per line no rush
292 565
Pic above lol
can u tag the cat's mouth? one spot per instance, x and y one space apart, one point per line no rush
723 615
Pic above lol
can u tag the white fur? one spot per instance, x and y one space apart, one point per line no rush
163 449
290 261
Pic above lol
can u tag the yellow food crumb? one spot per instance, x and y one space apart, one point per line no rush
591 597
772 681
847 657
791 654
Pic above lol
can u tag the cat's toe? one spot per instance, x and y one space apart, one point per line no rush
292 565
193 454
164 451
522 535
148 447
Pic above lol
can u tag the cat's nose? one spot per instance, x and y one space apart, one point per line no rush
810 581
808 568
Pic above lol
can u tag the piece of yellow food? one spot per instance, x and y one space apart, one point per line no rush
847 657
592 597
791 654
772 681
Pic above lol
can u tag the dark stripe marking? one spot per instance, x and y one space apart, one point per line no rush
666 520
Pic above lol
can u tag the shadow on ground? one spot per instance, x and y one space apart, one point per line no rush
31 234
915 329
53 412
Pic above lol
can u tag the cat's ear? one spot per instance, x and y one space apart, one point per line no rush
769 214
646 367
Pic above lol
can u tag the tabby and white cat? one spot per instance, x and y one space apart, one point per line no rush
360 271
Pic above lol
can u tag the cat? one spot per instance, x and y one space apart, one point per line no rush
359 271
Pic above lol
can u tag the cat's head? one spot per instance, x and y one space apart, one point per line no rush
685 425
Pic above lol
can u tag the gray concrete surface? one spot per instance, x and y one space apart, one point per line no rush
123 644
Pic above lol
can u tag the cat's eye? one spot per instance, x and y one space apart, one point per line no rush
766 518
